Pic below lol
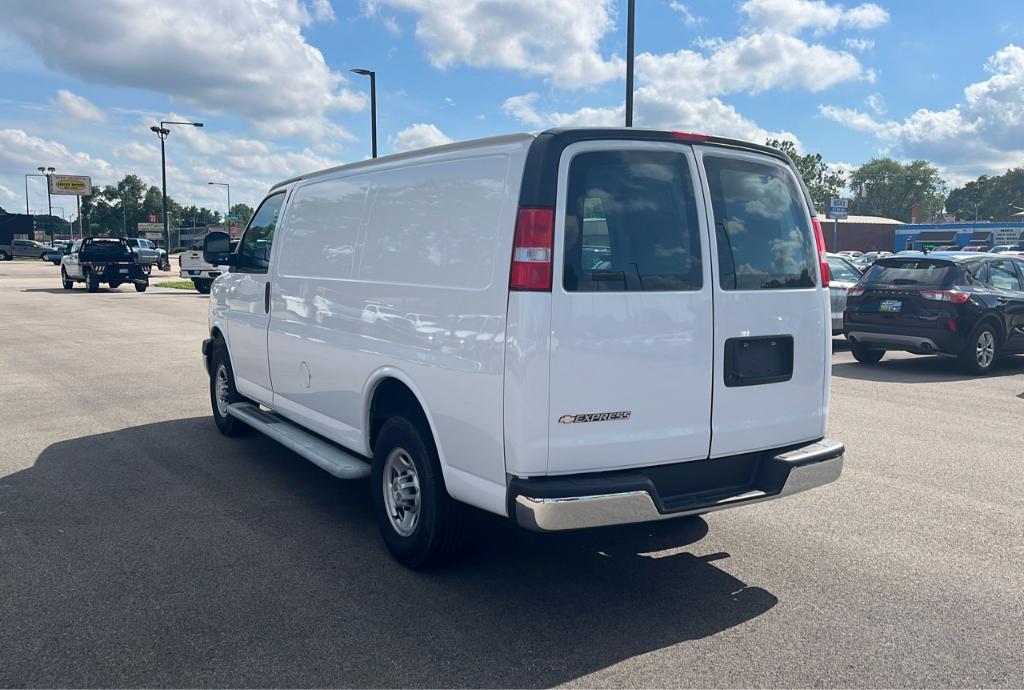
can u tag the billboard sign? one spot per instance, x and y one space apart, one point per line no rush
77 185
151 231
838 209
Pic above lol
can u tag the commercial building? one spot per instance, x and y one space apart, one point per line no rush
983 234
859 233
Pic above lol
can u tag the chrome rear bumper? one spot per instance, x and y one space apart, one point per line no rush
790 472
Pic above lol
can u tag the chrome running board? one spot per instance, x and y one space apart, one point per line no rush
323 454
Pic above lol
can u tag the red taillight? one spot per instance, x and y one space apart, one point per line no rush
954 296
531 254
855 291
819 239
951 325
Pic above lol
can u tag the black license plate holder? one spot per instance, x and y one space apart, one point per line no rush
759 360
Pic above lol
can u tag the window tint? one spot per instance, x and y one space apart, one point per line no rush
910 272
254 251
631 223
763 235
1002 276
842 271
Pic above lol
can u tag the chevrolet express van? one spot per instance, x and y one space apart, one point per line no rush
576 328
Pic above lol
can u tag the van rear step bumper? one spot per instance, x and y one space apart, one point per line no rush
550 504
321 453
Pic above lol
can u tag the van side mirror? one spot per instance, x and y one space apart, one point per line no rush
217 249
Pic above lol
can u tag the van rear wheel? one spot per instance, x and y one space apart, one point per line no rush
867 355
419 521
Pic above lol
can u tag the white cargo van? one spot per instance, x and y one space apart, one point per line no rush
576 328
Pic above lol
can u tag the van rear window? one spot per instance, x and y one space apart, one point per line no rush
631 223
761 227
909 272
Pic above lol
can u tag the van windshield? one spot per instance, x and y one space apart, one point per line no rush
761 225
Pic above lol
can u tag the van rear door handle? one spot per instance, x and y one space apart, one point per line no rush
266 298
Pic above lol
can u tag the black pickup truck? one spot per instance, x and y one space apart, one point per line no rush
95 260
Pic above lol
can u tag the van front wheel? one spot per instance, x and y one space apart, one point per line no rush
417 518
223 392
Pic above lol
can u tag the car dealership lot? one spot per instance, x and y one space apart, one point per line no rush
139 547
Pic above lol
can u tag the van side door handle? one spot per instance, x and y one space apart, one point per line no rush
266 298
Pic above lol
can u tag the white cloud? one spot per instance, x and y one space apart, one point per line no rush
248 59
750 63
79 107
8 194
322 11
689 18
419 136
794 16
20 152
861 45
983 134
876 103
556 39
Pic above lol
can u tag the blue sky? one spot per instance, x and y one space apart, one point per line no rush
81 82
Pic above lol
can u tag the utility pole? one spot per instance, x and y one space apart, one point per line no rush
373 105
630 26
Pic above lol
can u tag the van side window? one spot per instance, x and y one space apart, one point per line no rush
254 250
631 223
761 227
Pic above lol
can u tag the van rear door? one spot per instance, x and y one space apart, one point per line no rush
772 333
631 309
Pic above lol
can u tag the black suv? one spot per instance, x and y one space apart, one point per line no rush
969 305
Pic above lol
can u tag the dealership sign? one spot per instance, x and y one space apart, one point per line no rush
78 185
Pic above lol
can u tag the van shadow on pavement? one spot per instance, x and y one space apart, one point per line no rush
168 555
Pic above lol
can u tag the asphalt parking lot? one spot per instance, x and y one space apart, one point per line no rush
138 547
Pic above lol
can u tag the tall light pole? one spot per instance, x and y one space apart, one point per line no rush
373 104
162 132
46 172
227 221
28 175
630 26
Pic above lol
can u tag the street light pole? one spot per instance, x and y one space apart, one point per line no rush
28 175
373 105
49 201
630 26
227 220
163 132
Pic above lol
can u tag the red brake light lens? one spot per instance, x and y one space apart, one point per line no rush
531 254
855 291
954 296
689 136
819 239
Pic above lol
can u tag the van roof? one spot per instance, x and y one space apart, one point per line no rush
546 148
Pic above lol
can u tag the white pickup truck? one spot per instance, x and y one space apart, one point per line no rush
192 266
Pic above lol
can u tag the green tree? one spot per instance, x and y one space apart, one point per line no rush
244 211
822 183
885 187
3 211
989 198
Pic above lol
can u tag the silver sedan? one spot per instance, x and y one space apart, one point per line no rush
844 275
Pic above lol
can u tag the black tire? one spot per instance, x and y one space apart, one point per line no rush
141 287
92 282
113 286
226 424
976 358
4 256
66 282
438 530
165 266
866 355
202 286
